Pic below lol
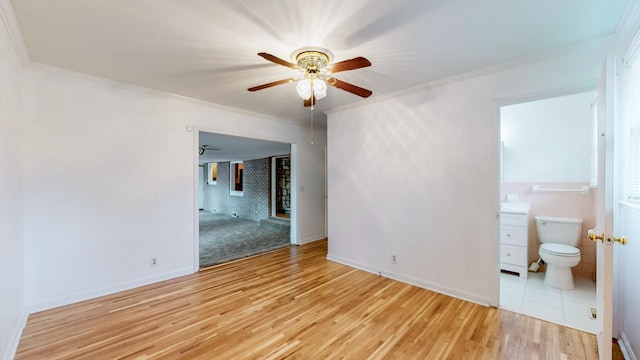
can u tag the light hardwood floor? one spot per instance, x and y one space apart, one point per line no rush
292 303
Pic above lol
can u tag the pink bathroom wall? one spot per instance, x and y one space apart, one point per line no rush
558 204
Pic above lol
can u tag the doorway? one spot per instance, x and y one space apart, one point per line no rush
546 162
235 220
281 187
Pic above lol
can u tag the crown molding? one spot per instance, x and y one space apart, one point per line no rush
153 92
11 24
632 51
587 85
629 19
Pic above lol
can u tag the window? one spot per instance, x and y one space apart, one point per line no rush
236 180
212 173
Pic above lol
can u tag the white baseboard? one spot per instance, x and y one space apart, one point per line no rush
66 300
456 293
313 238
12 346
626 347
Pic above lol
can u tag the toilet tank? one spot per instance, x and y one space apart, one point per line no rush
557 230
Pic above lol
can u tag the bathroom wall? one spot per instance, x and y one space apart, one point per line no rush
548 143
557 204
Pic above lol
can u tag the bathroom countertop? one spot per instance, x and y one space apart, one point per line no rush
515 208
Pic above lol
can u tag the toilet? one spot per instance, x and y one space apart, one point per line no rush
559 238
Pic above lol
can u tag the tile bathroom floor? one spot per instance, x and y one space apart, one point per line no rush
533 298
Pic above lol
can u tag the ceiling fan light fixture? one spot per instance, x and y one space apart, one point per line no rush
319 88
317 68
304 89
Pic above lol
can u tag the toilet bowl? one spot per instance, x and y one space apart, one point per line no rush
558 238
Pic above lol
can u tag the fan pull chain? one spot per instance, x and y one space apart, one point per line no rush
312 135
312 107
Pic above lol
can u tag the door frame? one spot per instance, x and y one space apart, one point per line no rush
607 206
273 210
195 130
496 105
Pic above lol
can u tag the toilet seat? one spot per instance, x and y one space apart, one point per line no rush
560 249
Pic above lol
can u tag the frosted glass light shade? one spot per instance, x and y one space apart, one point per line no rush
319 89
304 89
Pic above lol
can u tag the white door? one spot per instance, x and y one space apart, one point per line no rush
605 202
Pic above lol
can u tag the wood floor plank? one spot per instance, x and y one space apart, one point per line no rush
292 303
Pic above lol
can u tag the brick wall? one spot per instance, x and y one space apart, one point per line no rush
254 204
283 185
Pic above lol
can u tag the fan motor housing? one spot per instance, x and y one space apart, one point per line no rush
312 59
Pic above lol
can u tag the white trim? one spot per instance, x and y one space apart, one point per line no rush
196 194
570 89
625 347
154 92
589 84
494 285
14 341
632 51
631 15
11 24
630 206
310 239
272 191
449 291
496 104
108 290
293 165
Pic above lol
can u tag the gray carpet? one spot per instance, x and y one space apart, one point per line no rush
224 238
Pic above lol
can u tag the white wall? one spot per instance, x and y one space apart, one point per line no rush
626 223
416 175
629 268
310 186
548 140
110 183
12 313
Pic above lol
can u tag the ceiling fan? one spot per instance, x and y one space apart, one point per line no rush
315 65
204 148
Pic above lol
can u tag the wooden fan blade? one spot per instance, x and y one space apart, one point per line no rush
307 103
277 60
275 83
352 64
357 90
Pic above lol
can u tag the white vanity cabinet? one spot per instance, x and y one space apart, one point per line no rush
514 239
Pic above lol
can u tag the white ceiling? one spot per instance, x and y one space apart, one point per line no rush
206 49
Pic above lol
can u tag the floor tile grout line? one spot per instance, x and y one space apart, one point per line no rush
562 296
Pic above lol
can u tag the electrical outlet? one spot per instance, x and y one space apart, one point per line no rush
153 261
394 260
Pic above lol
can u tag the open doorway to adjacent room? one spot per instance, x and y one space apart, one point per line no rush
281 187
547 151
245 197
